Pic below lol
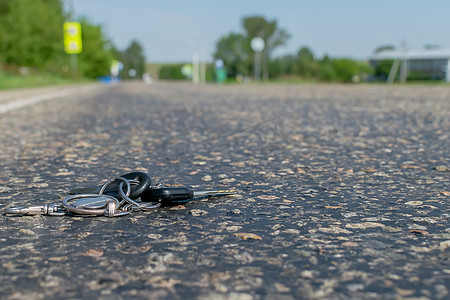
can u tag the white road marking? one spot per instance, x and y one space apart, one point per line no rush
26 101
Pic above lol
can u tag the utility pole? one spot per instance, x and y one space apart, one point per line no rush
393 71
257 45
404 66
196 69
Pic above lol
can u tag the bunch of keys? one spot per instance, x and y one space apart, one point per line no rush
112 200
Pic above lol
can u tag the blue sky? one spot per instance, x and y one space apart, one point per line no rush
172 30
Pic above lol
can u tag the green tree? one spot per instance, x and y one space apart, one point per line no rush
326 71
345 69
273 36
4 7
133 58
31 32
171 72
234 49
282 66
383 67
234 52
431 47
97 55
306 65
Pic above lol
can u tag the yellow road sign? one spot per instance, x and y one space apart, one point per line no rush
72 38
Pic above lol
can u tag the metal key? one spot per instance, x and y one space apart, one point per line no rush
177 196
81 204
91 204
46 209
112 200
112 189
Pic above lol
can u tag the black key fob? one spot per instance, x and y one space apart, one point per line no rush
136 189
113 189
168 196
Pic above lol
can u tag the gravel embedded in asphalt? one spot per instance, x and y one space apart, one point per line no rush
343 192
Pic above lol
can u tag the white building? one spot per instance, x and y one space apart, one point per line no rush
430 63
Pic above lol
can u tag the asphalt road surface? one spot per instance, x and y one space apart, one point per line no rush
343 192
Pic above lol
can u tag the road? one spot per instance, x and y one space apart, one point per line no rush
343 192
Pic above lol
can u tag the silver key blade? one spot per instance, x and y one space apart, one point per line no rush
214 193
46 209
30 210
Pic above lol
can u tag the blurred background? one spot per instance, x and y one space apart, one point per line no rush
62 41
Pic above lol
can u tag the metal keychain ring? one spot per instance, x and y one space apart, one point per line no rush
136 205
111 210
124 180
120 213
87 211
123 201
125 195
149 206
143 183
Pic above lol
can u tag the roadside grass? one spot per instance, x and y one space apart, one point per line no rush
14 81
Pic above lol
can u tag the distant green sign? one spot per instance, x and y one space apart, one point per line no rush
72 38
187 70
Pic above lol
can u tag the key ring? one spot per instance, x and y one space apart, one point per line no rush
135 205
125 211
132 205
111 199
142 180
124 180
110 206
110 203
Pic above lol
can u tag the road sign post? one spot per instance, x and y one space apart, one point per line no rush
72 43
257 45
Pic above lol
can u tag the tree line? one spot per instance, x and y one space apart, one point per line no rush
235 51
31 35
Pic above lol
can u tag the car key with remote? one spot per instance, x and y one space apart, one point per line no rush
179 195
